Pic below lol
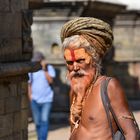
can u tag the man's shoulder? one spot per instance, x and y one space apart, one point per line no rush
104 78
113 81
115 89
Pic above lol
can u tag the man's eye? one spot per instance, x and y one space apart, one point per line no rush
80 60
69 62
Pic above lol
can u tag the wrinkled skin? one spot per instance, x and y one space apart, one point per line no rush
94 124
79 69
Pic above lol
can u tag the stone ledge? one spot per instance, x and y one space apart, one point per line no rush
18 68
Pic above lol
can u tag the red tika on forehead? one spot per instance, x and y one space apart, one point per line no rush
72 55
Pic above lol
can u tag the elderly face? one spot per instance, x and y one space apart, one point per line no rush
76 59
80 68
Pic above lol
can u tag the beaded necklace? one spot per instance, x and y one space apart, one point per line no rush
89 90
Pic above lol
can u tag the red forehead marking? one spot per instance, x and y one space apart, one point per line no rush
72 55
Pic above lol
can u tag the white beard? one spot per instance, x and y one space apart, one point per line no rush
77 86
81 80
80 84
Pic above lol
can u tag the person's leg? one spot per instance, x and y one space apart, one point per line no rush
36 113
45 112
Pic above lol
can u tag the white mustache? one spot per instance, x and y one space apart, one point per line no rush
79 73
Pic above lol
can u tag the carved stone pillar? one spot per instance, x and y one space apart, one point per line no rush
15 55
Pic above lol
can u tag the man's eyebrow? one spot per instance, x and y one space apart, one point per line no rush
80 59
69 62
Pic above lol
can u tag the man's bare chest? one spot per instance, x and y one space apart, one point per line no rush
93 111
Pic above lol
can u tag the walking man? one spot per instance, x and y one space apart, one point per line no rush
41 95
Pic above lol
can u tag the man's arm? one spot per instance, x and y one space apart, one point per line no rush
48 77
30 75
120 106
49 73
29 91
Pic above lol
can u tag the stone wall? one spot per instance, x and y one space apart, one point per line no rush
127 52
126 33
15 55
13 108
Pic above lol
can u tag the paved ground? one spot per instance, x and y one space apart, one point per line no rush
61 132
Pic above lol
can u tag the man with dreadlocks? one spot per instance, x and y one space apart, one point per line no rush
85 42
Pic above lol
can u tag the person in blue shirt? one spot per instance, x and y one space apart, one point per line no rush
41 95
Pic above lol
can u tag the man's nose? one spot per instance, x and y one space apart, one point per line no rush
76 66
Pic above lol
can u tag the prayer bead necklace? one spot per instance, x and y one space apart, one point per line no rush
72 109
